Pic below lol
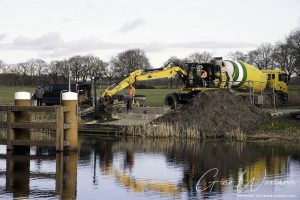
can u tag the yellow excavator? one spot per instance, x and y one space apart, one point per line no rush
261 85
190 75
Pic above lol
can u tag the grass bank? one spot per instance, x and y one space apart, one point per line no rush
166 130
279 129
272 131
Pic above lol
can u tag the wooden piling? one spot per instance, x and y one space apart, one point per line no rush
21 99
70 181
17 175
59 128
70 100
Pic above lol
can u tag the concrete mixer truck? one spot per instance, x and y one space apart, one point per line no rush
261 87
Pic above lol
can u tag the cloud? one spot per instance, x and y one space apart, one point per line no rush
48 41
212 45
128 26
52 45
2 36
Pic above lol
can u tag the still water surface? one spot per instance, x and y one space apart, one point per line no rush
152 169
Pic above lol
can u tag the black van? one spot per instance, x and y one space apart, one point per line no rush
52 93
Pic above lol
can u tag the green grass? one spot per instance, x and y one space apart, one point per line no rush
294 87
279 125
154 97
7 93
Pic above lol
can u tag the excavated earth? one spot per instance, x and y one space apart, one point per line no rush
216 112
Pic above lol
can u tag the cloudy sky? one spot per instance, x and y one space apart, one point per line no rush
58 29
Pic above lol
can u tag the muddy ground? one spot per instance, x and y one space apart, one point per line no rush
215 112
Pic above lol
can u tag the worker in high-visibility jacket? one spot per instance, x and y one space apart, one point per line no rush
129 96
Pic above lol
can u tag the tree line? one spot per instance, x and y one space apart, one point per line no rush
283 55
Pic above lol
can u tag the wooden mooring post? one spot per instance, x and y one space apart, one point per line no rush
18 123
21 99
70 100
18 174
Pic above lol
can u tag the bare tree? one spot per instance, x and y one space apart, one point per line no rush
128 61
59 68
293 42
174 61
97 68
2 67
36 67
262 57
198 57
284 58
76 65
238 55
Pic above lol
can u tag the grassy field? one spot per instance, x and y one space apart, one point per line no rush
154 97
7 93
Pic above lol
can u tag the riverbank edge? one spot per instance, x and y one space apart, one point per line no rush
273 130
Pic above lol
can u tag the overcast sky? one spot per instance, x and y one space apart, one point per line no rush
58 29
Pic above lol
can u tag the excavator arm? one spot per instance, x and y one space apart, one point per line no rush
143 75
190 75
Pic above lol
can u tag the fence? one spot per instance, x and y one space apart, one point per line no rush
16 126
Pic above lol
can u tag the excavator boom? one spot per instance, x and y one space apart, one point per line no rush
142 75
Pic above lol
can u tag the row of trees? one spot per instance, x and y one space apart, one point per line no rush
284 55
82 68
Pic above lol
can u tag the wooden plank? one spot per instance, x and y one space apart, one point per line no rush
34 125
10 132
5 107
59 173
44 143
33 108
3 125
59 125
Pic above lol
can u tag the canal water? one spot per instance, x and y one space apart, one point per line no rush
109 168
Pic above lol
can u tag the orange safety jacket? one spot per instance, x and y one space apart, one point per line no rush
131 91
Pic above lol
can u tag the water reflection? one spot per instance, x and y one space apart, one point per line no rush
238 168
24 181
149 168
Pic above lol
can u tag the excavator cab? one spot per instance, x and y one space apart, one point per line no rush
195 70
193 74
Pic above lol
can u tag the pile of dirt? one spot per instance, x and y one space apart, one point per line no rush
216 112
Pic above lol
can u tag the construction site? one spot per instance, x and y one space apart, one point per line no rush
221 99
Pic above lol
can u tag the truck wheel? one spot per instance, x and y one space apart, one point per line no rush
171 100
279 100
268 101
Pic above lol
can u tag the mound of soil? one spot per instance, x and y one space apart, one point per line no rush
215 112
